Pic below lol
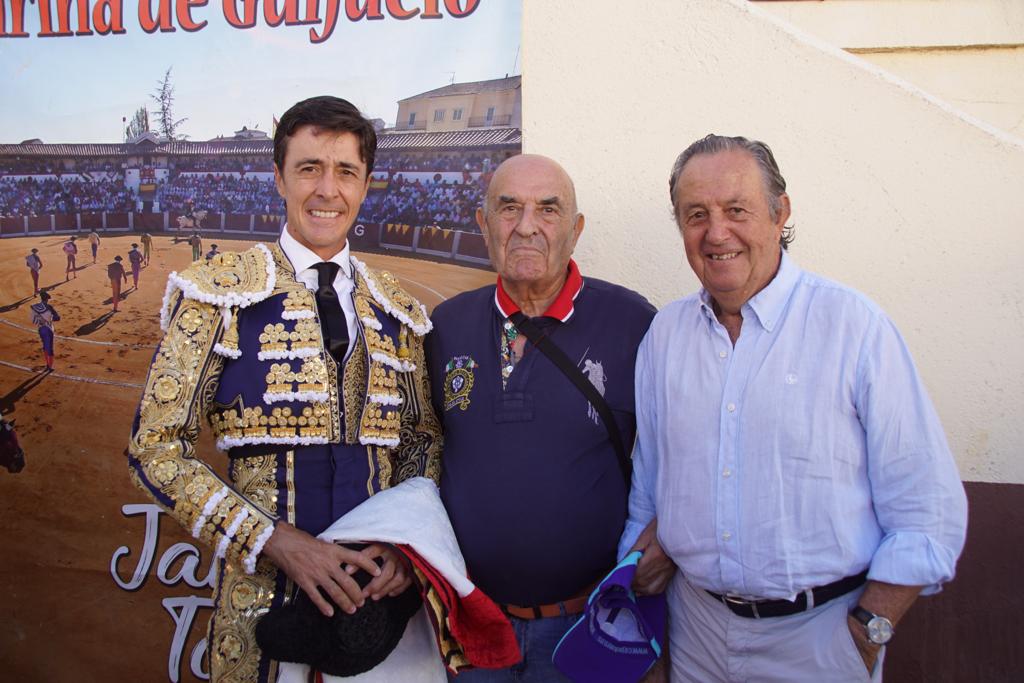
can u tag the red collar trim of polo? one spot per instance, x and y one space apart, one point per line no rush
561 308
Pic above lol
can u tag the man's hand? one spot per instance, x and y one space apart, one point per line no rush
395 575
313 564
887 600
655 568
868 650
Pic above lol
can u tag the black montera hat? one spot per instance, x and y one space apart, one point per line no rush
344 644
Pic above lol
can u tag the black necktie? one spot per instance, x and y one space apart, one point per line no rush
332 319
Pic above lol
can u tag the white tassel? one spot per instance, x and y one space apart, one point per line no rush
303 396
307 352
392 362
298 315
222 350
227 442
165 308
378 441
249 563
372 323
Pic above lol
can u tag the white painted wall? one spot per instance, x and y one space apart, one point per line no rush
913 204
987 83
969 53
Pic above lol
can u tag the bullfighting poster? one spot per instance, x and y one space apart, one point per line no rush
141 134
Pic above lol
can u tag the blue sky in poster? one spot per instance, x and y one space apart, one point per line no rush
76 89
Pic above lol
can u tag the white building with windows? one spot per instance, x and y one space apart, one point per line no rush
497 103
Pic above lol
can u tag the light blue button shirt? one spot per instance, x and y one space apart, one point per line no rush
808 452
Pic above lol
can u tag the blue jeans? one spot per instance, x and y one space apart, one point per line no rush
537 639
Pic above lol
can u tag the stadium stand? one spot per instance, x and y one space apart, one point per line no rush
423 196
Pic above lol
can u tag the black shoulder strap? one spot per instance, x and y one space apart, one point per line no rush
576 376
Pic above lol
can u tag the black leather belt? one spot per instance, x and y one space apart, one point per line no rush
764 609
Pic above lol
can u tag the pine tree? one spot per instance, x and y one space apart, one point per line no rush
166 125
138 125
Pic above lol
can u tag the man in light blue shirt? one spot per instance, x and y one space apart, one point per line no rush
788 459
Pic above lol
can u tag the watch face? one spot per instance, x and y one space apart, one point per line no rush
879 630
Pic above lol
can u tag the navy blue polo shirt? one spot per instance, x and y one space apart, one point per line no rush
530 480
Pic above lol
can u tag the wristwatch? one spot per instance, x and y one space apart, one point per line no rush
879 629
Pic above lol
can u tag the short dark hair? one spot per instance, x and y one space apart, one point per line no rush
117 258
326 113
774 183
34 250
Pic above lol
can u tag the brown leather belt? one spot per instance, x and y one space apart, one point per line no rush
571 607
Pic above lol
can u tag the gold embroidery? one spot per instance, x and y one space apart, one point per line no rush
354 383
254 478
313 421
362 303
419 450
306 334
229 273
290 484
376 342
177 393
240 601
299 301
279 338
230 339
403 342
273 338
389 288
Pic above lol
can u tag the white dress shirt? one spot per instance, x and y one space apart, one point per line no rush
808 452
303 259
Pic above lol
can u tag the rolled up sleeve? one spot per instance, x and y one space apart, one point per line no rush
916 491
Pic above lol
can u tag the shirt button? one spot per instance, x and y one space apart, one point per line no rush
726 535
731 407
726 473
722 354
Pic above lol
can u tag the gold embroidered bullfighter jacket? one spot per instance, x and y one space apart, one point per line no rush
243 349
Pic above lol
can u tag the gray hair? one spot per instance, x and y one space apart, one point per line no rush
774 183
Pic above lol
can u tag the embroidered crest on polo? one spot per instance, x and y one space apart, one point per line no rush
458 382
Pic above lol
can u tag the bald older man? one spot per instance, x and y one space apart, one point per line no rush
532 476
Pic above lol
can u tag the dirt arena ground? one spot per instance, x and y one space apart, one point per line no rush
62 615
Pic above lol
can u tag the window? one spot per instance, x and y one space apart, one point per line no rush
438 115
412 118
490 114
457 115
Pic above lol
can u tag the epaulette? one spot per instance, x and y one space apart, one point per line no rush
395 301
229 279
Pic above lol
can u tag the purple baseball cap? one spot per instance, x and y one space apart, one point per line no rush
619 636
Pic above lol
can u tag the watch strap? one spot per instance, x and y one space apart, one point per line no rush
862 615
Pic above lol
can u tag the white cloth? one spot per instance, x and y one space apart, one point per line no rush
302 260
408 514
709 643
